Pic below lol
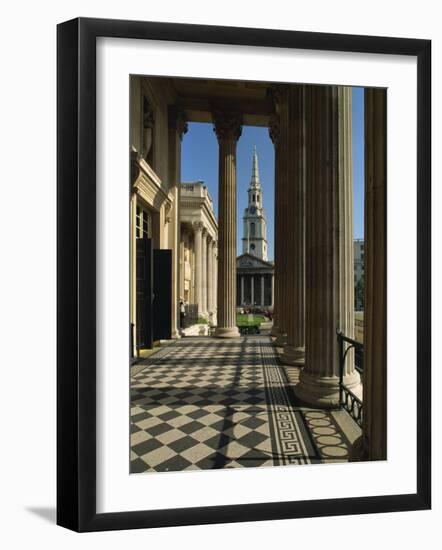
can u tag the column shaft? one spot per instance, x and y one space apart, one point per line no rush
252 290
294 350
374 429
228 130
279 136
177 127
204 274
262 291
329 245
198 228
210 279
215 284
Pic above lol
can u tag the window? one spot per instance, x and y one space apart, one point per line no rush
252 229
143 226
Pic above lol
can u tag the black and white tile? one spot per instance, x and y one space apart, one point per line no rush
205 403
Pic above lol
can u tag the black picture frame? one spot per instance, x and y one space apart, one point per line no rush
76 274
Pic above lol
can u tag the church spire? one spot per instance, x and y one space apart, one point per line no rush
254 182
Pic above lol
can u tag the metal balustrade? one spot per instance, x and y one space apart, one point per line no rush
347 399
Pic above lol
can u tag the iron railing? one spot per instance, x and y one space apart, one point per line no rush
347 399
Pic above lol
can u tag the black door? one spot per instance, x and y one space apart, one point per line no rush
162 290
144 293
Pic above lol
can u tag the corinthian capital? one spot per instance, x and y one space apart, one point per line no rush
279 94
177 120
227 125
274 129
198 226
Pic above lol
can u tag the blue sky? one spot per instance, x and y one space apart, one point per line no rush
200 162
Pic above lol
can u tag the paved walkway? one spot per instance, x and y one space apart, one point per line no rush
205 403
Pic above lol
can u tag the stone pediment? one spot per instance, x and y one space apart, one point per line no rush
247 261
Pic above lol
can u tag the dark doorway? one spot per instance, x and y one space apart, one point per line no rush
144 293
162 290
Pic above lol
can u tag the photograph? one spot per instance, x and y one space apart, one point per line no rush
220 275
249 211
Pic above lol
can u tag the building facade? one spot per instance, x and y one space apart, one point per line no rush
156 130
255 282
255 274
198 251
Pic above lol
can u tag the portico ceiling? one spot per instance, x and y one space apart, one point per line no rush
200 97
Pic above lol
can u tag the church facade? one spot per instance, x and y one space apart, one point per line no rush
255 274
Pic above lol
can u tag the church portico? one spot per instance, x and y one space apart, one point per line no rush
254 282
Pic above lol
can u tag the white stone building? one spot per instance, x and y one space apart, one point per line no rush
156 127
198 251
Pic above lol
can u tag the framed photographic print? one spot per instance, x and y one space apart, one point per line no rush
243 274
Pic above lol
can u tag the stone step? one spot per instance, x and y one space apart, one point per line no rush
196 330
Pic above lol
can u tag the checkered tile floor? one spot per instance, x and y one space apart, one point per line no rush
204 403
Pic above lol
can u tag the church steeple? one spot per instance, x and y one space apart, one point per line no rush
254 237
254 182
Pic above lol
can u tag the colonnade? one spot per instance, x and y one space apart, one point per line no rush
205 272
259 287
314 294
313 283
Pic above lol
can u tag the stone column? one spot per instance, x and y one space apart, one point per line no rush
242 289
215 283
198 237
252 290
294 350
272 296
329 245
262 291
209 279
204 274
278 127
177 128
374 427
228 130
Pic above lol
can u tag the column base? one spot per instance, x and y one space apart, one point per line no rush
280 340
357 451
176 334
293 356
274 330
323 391
227 332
